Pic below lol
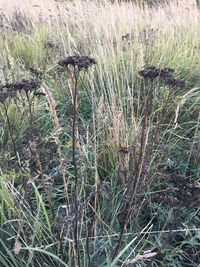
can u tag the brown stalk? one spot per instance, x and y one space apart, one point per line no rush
10 128
74 79
73 65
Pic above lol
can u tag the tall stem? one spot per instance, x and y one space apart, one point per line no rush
74 79
10 129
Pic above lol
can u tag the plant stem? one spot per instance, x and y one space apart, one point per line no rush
74 80
10 129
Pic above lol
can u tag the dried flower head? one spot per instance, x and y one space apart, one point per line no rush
150 73
153 72
165 75
79 62
173 82
26 85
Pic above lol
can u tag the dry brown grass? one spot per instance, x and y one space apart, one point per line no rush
33 9
96 11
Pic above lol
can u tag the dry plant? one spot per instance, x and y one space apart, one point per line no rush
74 65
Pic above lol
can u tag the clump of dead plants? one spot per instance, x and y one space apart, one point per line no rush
74 223
22 95
142 153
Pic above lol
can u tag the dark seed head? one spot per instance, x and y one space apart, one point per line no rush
150 73
165 75
153 72
79 62
26 85
173 82
166 72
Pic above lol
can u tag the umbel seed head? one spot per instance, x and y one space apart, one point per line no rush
164 75
10 90
153 72
24 85
79 62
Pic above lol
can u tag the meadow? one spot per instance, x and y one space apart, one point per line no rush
99 133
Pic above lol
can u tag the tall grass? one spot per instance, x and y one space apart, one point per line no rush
136 142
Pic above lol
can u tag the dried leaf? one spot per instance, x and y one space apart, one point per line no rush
141 257
17 247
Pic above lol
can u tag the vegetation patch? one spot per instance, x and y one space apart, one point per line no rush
100 134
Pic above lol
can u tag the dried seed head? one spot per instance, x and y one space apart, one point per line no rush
153 72
166 72
173 82
165 75
150 73
26 85
79 62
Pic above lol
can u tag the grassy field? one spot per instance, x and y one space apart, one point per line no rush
99 134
